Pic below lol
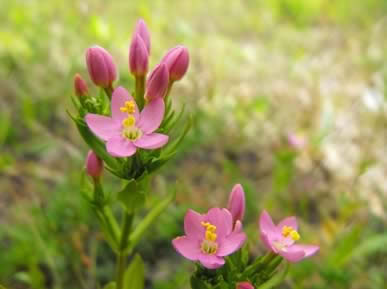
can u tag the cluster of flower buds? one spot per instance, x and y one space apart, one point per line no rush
135 123
209 238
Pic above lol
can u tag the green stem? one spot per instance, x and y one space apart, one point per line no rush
140 91
166 99
109 91
121 259
277 279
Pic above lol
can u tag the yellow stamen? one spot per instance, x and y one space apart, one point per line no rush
289 231
294 235
210 234
129 121
129 107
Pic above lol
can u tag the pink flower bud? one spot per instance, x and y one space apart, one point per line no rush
177 61
143 32
101 67
80 86
138 56
244 285
157 83
94 165
236 203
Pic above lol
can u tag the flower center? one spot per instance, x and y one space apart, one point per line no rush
129 130
288 231
209 245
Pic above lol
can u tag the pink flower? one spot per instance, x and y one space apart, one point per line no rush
244 285
157 83
80 86
138 56
101 67
143 32
281 238
94 165
210 237
129 129
236 203
297 142
177 61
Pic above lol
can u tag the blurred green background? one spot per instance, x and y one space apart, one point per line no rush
260 71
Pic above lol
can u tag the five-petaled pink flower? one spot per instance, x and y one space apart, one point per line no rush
281 238
128 129
209 237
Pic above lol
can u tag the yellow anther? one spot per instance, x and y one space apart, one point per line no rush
289 231
129 121
286 231
294 235
210 231
129 107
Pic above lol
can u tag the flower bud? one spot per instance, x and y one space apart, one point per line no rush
143 32
80 86
138 56
94 165
177 61
244 285
236 203
101 67
157 83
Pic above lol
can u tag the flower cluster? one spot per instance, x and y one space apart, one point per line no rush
209 238
128 124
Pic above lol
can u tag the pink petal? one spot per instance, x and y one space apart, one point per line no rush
309 250
292 254
222 219
192 225
267 226
152 115
232 243
268 243
151 141
188 248
119 97
120 147
211 261
290 222
102 126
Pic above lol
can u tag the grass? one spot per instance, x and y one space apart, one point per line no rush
259 70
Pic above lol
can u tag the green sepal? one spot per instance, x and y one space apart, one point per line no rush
134 277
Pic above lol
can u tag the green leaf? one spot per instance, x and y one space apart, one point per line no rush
277 279
134 275
110 285
133 195
150 219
